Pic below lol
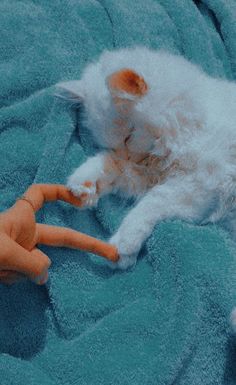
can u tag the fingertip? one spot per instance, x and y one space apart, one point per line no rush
44 279
41 279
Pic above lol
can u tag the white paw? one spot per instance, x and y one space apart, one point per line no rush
233 319
127 254
85 191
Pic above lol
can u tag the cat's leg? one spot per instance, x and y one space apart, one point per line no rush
92 179
84 180
170 200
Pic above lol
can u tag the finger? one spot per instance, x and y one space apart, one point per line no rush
8 281
38 194
43 277
7 273
61 236
9 277
16 258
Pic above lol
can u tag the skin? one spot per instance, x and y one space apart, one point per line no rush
19 235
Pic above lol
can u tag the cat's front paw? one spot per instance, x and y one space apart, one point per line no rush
127 256
86 192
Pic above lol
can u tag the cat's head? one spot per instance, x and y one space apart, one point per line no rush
111 101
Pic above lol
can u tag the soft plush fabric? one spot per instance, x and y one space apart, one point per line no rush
167 320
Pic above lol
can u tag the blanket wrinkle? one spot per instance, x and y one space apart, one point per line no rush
110 19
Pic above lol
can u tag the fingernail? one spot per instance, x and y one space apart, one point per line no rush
41 279
44 279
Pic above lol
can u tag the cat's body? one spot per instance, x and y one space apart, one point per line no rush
168 133
174 146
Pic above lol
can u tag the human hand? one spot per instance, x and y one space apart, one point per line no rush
19 235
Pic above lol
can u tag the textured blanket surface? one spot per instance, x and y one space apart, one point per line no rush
166 321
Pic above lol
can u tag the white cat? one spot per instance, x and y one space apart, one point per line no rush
168 136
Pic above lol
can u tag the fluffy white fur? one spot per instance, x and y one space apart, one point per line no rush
196 116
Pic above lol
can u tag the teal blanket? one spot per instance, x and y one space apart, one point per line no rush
166 321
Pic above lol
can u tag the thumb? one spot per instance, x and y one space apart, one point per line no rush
14 257
42 278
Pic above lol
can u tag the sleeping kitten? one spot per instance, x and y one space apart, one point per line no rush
168 133
168 136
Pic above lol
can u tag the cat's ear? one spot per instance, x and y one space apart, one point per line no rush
127 84
71 91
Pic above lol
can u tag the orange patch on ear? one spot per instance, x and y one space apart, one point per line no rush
88 183
126 80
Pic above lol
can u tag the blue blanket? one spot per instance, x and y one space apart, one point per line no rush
166 321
